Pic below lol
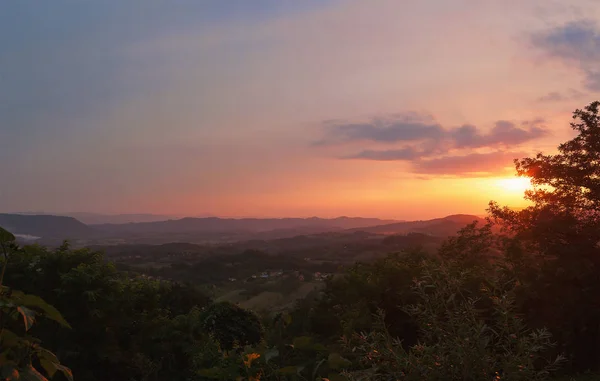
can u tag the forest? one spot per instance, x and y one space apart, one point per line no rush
514 298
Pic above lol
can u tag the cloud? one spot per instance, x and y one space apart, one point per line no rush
593 79
504 133
555 96
407 153
425 144
401 128
422 137
474 164
576 43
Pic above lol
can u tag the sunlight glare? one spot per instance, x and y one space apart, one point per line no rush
515 184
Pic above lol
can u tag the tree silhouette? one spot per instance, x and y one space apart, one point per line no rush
559 235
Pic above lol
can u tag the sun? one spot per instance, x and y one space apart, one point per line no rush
515 184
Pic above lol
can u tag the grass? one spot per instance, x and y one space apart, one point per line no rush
232 296
263 301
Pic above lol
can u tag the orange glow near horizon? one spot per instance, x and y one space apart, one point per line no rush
405 199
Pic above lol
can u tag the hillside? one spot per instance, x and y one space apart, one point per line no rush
53 229
45 226
441 227
215 224
97 219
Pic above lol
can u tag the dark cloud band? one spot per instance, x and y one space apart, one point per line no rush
576 44
425 143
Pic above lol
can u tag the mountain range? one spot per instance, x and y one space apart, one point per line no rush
97 218
256 225
54 229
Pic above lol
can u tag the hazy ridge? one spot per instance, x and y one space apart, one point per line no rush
53 229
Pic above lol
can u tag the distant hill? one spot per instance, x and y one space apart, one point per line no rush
54 229
45 226
441 227
97 219
242 225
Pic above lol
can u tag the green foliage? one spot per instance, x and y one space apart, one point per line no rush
123 327
231 326
19 352
470 247
463 336
349 302
6 236
7 241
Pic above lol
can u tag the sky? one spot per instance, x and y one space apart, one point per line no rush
273 108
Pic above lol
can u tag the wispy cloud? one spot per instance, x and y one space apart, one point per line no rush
402 128
575 43
555 96
474 164
504 133
407 153
425 137
425 144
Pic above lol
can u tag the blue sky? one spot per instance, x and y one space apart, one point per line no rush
214 107
65 57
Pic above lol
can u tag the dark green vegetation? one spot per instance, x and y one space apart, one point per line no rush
515 298
21 353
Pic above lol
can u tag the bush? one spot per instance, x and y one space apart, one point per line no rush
231 326
463 336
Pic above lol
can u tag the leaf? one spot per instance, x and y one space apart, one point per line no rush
65 371
35 301
287 319
4 303
270 354
49 361
43 353
9 338
290 370
31 374
314 373
8 371
49 367
336 377
336 361
6 236
250 357
451 298
28 316
303 342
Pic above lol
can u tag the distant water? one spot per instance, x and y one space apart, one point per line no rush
27 237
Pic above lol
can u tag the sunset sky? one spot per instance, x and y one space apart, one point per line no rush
385 108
